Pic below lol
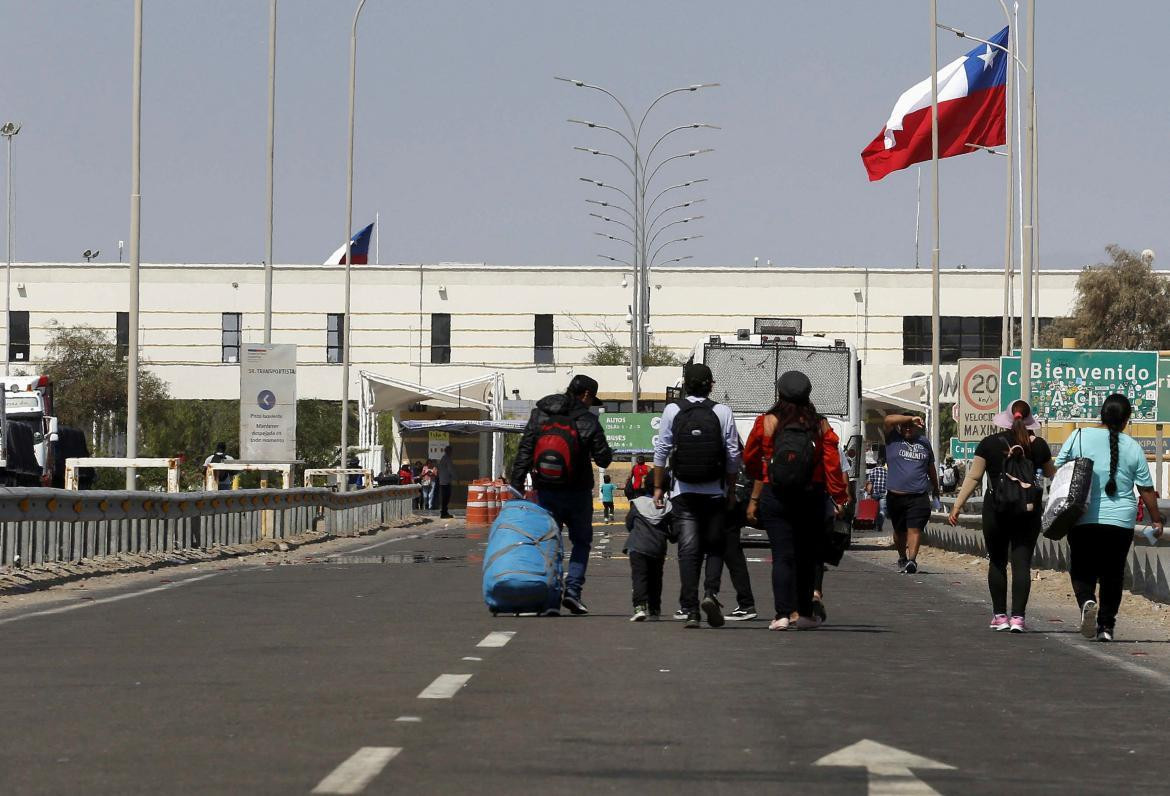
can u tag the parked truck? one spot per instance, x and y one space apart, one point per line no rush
30 421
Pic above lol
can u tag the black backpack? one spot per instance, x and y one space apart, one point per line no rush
700 453
1015 490
794 458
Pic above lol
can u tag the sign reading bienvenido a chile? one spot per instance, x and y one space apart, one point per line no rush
268 403
1071 384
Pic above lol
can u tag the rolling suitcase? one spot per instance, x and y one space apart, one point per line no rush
523 565
865 518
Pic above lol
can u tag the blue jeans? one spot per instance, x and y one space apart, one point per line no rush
572 509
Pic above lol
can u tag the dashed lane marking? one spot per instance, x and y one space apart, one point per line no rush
101 601
497 639
445 686
354 774
409 719
471 658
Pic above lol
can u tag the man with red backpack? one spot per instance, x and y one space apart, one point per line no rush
561 438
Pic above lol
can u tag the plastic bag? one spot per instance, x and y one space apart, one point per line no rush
1068 497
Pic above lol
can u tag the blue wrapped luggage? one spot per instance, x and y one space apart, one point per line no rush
523 565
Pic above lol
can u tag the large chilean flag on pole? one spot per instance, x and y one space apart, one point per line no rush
359 248
972 95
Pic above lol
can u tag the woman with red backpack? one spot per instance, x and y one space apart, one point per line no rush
1011 507
793 459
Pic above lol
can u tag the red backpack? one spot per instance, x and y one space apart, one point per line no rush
557 446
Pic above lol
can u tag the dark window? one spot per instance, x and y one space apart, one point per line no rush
542 353
440 338
122 336
961 337
230 337
334 337
18 336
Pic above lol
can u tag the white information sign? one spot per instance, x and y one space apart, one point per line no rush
437 442
268 403
978 398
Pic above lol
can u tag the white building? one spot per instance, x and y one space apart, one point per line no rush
439 324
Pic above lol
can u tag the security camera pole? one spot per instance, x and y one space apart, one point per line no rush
135 239
8 131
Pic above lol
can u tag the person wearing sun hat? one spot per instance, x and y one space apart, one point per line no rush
1009 536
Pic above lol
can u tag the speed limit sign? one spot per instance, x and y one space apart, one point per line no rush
978 398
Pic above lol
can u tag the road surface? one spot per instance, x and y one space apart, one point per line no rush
379 670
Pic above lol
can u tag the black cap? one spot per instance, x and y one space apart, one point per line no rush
582 384
794 387
697 373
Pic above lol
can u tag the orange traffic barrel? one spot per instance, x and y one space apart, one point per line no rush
477 504
493 501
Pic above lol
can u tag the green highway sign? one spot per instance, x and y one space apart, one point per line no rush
629 431
1071 384
963 449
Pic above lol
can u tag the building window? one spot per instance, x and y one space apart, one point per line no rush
440 338
542 350
18 336
961 337
122 337
230 340
335 338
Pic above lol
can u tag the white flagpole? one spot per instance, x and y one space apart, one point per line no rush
377 238
917 217
935 332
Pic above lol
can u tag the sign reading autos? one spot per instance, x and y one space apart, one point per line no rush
1069 384
268 403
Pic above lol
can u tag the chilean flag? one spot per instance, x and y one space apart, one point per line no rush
972 96
359 248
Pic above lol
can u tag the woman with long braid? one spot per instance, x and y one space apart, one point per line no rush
1099 543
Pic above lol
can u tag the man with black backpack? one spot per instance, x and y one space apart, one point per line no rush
699 440
561 437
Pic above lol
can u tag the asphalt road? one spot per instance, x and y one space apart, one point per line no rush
283 679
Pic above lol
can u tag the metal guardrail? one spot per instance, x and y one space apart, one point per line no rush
39 526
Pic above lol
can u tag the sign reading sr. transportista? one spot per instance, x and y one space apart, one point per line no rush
1071 384
268 403
978 398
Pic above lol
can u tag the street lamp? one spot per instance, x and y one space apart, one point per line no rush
345 336
9 131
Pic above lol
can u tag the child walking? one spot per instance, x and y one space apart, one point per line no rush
650 530
607 489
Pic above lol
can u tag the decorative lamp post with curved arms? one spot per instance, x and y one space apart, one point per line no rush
643 171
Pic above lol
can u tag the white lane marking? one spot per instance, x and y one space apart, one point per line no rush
409 718
497 639
445 686
354 774
382 544
888 767
75 606
471 658
1082 645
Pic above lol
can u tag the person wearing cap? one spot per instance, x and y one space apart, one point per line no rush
1009 537
794 518
911 481
571 504
698 506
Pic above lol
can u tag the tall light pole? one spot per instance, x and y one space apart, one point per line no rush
269 160
9 131
345 324
135 241
1026 268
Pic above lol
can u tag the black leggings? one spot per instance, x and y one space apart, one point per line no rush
1098 553
794 526
1009 537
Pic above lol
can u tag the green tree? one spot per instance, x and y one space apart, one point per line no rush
1121 304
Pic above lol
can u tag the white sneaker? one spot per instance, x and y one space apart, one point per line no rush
640 613
779 624
680 614
1089 619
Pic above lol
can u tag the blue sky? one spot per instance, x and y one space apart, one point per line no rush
463 147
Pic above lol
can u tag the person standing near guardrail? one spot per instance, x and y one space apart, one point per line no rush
446 479
223 477
1099 542
1009 533
561 437
911 475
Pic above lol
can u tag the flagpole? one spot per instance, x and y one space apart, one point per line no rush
342 482
917 217
1026 268
935 332
377 238
1006 330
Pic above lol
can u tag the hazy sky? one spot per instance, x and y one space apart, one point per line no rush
463 148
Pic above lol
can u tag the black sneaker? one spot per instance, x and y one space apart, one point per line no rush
713 610
681 614
741 614
911 567
693 620
902 563
818 609
1104 634
574 604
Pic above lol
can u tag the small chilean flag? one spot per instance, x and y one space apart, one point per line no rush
359 248
972 96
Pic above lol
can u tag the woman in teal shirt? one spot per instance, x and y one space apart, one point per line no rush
1099 543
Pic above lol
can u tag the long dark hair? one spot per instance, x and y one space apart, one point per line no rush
1019 433
788 413
1115 414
